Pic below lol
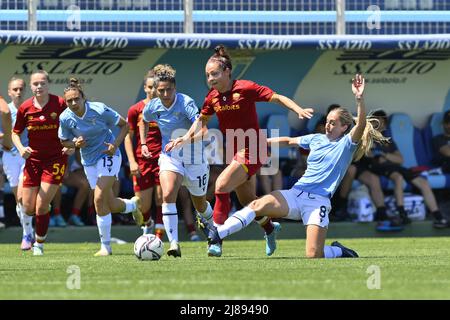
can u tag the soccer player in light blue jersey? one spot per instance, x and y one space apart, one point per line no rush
13 163
87 125
185 163
309 199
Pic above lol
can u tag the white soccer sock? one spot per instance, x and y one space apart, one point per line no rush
170 219
208 214
104 230
130 205
239 220
19 212
27 222
332 252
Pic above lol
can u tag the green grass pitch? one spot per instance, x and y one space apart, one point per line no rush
409 268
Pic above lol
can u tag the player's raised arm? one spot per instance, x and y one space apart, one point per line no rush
358 85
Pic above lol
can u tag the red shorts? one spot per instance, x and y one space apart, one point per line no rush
249 166
149 175
37 171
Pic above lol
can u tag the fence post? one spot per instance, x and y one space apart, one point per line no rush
188 21
32 19
340 17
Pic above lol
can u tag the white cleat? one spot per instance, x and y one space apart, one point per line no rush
103 252
174 249
38 250
137 213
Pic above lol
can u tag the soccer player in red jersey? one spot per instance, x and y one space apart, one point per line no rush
145 171
234 103
45 159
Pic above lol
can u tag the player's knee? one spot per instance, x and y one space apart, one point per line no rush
100 207
314 253
221 186
257 205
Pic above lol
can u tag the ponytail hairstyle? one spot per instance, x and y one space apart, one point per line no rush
370 134
163 72
222 57
74 84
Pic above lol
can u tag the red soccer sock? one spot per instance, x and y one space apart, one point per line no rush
190 228
56 211
91 210
42 227
147 216
159 215
76 211
266 225
222 207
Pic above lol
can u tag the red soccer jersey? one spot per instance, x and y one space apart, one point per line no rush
236 109
42 125
153 136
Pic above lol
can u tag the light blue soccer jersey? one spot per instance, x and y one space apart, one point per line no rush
24 135
95 127
327 163
180 115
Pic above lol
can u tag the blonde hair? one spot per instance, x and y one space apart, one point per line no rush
16 79
370 135
41 71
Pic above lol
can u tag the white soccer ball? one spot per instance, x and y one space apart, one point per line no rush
148 247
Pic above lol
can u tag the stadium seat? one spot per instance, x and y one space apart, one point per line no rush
411 145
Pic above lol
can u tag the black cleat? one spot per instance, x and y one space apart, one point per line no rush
440 223
346 252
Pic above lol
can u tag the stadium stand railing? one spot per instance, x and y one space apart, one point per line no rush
276 17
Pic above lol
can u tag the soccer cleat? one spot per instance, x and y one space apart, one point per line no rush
174 249
215 250
51 222
148 227
103 252
202 223
271 239
38 250
59 221
146 230
213 234
137 213
440 223
346 252
389 226
27 242
75 220
194 236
